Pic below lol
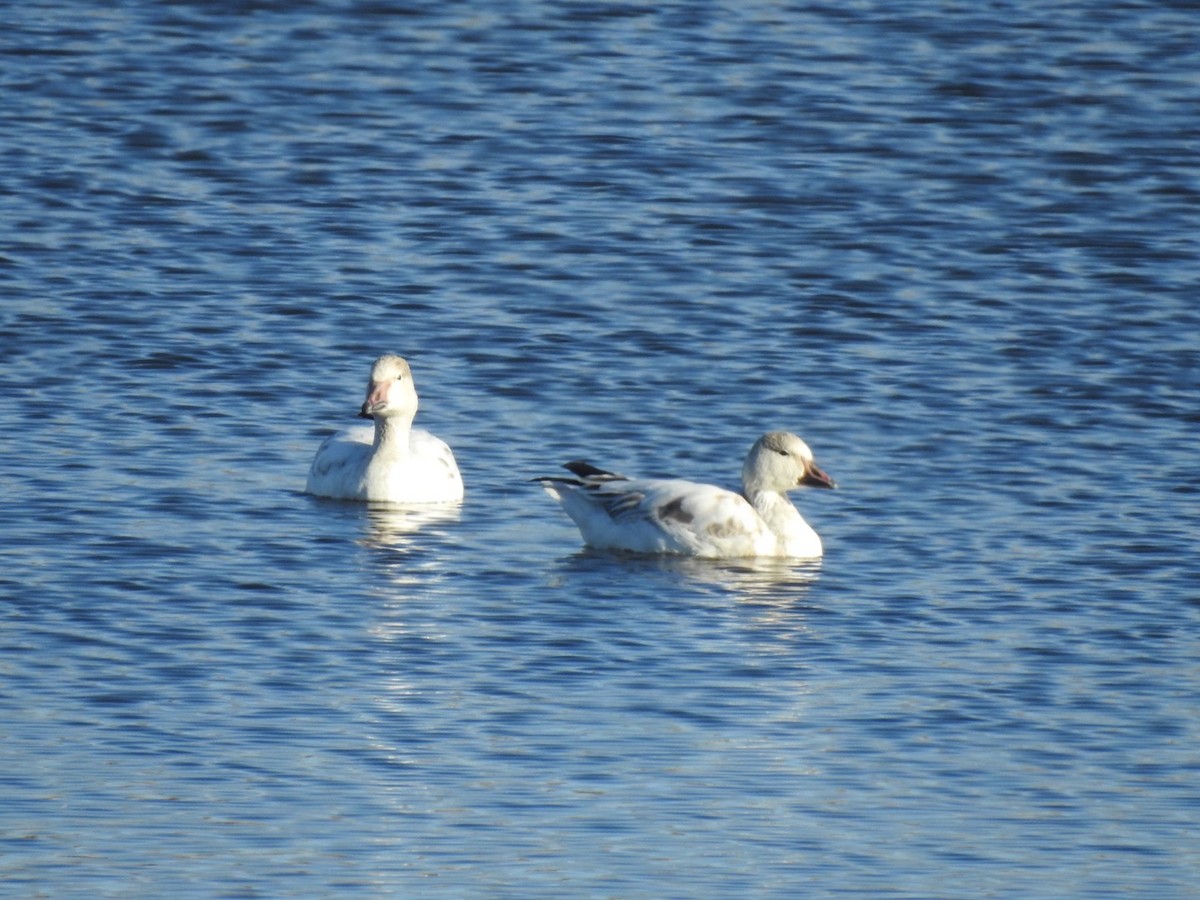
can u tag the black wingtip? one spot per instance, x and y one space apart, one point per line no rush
585 469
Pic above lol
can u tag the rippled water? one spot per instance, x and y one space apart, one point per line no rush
953 245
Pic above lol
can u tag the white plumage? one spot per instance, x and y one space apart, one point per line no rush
673 516
389 461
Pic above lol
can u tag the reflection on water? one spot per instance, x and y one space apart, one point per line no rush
405 547
768 580
757 580
395 526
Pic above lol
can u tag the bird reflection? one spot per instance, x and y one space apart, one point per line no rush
769 580
404 542
395 526
766 580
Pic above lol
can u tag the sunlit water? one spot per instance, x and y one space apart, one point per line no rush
953 245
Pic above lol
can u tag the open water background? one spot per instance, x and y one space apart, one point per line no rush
954 245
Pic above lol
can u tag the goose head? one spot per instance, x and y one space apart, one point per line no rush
779 461
390 391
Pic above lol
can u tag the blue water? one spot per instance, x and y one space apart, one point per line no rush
954 245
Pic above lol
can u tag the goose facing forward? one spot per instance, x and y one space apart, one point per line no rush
614 512
389 461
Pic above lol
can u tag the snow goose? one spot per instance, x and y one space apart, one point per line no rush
614 512
389 461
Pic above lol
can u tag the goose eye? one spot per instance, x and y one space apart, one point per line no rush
782 452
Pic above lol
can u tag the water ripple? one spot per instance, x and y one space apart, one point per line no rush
951 245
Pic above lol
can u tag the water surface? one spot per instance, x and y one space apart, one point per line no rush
953 246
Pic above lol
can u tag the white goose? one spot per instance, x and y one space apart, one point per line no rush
389 461
673 516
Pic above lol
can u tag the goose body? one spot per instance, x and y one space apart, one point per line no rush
388 461
650 515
